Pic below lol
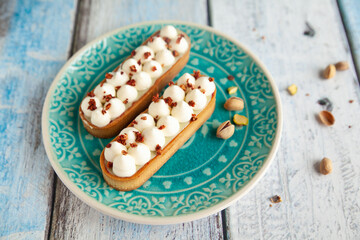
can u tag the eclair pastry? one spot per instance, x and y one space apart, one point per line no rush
140 149
128 90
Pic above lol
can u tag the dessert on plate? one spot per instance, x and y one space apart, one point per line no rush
128 90
141 148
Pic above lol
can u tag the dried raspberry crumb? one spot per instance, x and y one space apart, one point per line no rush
139 137
168 100
211 79
162 127
196 74
203 91
189 85
134 122
133 68
90 94
193 118
121 72
175 53
183 87
156 98
151 39
108 145
107 97
131 82
101 84
146 55
178 40
158 149
103 111
108 106
351 101
143 118
133 145
126 101
122 139
133 53
191 103
167 40
92 105
231 77
108 75
139 62
124 152
153 68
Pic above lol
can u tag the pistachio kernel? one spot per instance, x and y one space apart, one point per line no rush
232 90
292 89
240 120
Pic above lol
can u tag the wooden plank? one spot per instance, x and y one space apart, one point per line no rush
72 219
34 41
350 12
314 206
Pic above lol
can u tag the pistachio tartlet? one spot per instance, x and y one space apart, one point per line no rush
128 90
139 151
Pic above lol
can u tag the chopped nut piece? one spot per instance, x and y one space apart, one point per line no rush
325 166
232 90
327 118
329 71
342 66
275 199
103 111
240 120
225 130
292 89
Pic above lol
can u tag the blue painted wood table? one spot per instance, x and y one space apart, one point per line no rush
37 38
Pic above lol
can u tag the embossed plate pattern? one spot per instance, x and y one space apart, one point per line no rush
207 174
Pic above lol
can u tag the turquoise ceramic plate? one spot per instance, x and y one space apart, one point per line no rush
207 174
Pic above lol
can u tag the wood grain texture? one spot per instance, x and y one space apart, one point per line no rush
72 219
314 206
34 40
350 10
